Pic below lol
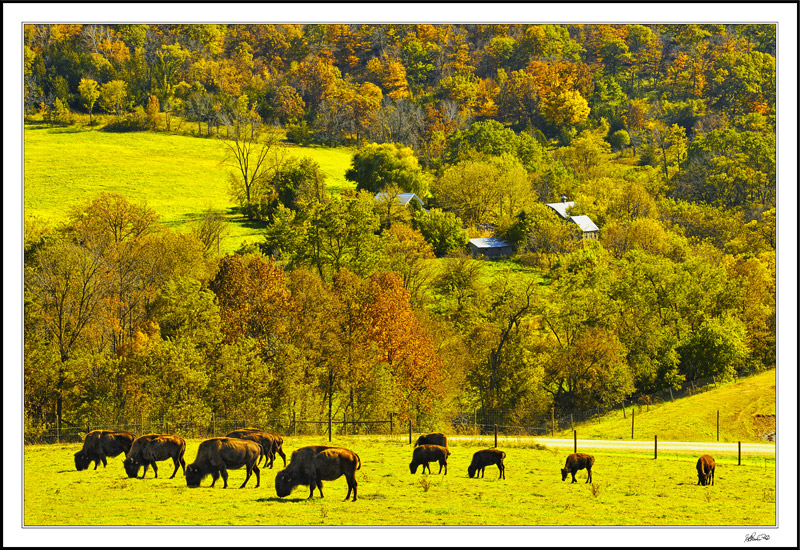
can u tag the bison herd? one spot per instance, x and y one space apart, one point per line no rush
308 466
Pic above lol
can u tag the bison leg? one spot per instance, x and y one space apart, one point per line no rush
155 469
175 463
183 465
589 472
712 475
104 462
283 456
573 476
257 471
224 473
352 484
502 469
144 473
249 473
214 477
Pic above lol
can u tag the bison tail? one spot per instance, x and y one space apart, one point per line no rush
359 462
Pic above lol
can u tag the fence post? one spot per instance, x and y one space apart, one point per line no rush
717 424
391 425
633 419
655 448
623 409
740 453
574 441
495 436
409 431
552 421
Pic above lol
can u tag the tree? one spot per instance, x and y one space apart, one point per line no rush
112 96
377 166
444 231
717 348
90 93
566 108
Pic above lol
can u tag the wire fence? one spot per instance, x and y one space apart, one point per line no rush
475 422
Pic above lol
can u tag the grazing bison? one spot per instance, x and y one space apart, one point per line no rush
149 449
429 453
317 463
263 438
277 445
484 458
100 444
705 470
215 456
575 462
435 438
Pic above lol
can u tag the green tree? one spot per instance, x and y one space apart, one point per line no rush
444 231
377 166
717 348
90 93
112 96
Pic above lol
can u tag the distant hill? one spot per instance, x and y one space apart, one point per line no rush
746 413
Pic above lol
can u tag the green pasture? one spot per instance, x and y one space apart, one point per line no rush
693 418
177 176
627 489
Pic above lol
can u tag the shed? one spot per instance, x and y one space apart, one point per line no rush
590 230
489 247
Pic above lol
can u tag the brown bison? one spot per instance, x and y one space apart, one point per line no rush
429 453
100 444
575 462
435 438
705 470
215 456
317 463
275 447
149 449
262 438
484 458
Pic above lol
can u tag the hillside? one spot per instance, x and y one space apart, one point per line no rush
177 176
695 418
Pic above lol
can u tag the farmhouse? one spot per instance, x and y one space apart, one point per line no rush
588 227
489 247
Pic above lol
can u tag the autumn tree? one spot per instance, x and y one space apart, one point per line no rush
90 93
377 166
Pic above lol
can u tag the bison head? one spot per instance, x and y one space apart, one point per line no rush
131 466
564 474
471 470
193 476
703 478
284 484
413 467
82 461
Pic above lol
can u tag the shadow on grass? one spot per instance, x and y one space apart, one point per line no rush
281 500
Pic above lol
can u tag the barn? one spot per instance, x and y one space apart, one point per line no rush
489 247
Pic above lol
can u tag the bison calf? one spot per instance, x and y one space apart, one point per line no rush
429 453
216 456
484 458
705 470
575 462
435 438
149 449
100 444
317 463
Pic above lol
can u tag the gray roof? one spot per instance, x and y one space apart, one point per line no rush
561 207
404 198
585 223
488 242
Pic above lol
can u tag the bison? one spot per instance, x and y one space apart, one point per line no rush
100 444
317 463
277 444
264 439
215 456
435 438
705 470
148 449
575 462
429 453
484 458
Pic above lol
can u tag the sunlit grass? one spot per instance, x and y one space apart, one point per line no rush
177 176
630 489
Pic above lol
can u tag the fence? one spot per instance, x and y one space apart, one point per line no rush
460 423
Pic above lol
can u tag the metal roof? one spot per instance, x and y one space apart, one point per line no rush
488 242
585 223
561 207
404 198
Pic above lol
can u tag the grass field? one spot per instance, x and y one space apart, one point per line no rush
694 418
627 489
179 177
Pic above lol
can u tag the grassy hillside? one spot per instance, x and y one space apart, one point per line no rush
695 418
177 176
627 489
